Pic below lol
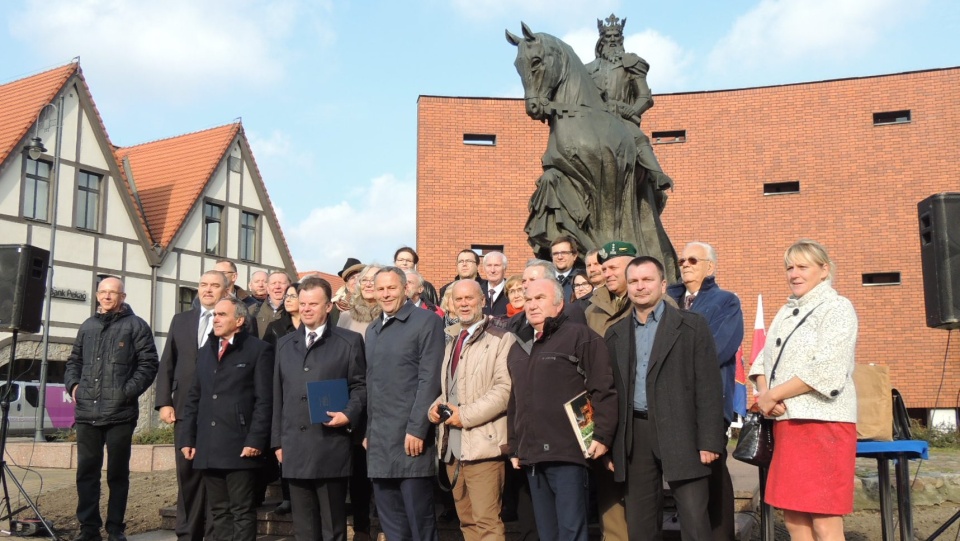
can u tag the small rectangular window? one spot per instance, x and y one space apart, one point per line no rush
212 218
484 249
233 163
185 298
36 190
891 117
881 279
88 201
777 188
482 139
673 136
248 236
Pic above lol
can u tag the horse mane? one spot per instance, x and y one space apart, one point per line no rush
580 89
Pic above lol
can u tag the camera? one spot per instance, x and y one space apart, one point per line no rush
444 411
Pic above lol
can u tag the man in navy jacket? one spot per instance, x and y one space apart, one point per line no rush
225 428
699 293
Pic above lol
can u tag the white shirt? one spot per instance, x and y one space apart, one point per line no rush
318 330
497 290
206 329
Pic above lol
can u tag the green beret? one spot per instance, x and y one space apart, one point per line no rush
614 249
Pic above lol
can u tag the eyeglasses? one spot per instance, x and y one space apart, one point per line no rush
582 284
465 261
366 280
691 260
563 253
291 296
515 291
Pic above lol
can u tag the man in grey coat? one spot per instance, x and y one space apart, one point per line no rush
404 350
316 457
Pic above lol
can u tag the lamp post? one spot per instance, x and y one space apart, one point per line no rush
34 150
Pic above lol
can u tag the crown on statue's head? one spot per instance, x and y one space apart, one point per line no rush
611 23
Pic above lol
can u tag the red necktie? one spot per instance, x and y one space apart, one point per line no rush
223 348
688 302
537 335
456 351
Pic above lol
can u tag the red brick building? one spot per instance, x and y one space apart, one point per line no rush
844 162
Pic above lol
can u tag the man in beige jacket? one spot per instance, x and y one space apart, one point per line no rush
471 413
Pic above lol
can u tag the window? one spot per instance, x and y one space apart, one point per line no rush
32 395
881 279
212 216
36 190
481 139
891 117
674 136
185 298
777 188
484 249
248 236
88 201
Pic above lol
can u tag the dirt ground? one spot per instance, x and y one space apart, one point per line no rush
151 491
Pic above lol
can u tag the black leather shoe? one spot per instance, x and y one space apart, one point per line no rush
281 509
116 536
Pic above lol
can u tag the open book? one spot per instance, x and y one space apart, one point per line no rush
580 412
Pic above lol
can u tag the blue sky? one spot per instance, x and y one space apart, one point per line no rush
327 90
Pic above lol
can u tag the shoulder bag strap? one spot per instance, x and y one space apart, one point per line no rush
773 373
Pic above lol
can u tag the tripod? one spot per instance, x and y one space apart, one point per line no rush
945 527
5 472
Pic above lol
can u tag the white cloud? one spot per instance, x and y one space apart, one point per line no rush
277 144
784 31
668 61
170 49
370 224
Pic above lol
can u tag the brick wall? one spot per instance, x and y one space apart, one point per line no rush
859 187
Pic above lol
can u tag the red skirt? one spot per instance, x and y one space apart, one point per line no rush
813 467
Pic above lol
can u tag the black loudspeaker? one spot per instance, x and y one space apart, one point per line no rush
23 280
940 256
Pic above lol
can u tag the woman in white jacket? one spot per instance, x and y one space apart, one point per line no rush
805 379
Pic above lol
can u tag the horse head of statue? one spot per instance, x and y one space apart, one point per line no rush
550 72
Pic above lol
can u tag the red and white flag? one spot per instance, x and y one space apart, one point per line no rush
759 334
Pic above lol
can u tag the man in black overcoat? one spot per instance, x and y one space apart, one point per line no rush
671 407
189 331
316 458
225 426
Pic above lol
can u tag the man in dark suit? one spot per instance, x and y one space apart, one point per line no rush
189 331
316 458
468 265
231 398
495 267
564 252
670 403
700 293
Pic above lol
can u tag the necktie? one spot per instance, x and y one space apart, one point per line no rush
688 301
456 351
223 348
311 338
202 331
491 293
537 335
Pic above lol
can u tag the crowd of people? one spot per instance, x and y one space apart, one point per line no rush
471 381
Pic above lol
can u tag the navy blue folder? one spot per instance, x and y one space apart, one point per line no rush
326 395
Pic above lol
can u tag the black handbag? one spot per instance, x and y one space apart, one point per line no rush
901 421
755 444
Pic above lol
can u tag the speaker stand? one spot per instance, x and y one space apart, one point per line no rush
5 473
